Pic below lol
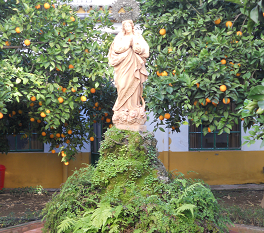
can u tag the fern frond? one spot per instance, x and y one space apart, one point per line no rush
66 224
184 207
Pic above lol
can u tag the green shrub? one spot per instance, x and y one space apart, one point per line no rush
123 193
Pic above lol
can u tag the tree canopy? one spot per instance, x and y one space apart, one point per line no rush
55 79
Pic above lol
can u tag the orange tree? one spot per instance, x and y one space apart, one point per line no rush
55 69
203 61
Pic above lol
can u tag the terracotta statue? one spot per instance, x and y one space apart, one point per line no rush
128 55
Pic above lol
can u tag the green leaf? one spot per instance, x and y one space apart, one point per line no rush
161 129
254 14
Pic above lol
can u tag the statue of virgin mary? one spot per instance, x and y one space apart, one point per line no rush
127 55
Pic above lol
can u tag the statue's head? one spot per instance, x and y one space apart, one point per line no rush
128 25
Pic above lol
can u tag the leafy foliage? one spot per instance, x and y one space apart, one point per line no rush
198 54
123 194
66 58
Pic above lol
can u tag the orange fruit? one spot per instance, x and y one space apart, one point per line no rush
108 120
208 100
68 141
40 103
53 151
47 111
158 73
57 146
170 84
161 117
13 112
239 33
60 99
164 73
58 135
209 130
223 88
92 90
63 154
239 64
53 6
242 119
204 104
86 50
52 136
223 61
9 115
46 5
57 69
229 24
32 119
62 135
174 72
63 23
17 30
7 43
20 124
231 63
96 104
71 66
162 31
64 89
33 98
102 118
195 102
99 108
91 139
72 18
69 131
215 104
169 50
173 128
167 116
110 126
218 21
37 6
20 111
66 124
39 121
73 90
27 42
83 98
228 101
238 74
66 163
69 40
94 121
41 31
42 114
106 114
197 84
43 134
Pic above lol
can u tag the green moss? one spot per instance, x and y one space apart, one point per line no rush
124 193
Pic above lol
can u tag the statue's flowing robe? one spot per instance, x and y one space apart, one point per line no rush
130 71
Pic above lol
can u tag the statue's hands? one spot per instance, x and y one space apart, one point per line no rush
137 48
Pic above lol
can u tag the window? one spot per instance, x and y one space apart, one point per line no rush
213 141
20 143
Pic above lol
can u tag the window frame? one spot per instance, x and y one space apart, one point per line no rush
214 139
26 150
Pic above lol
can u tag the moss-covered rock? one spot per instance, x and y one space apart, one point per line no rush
129 191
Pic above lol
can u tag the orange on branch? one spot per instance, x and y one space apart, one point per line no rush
223 61
58 135
86 50
37 6
53 151
7 43
229 24
96 104
239 33
110 126
73 90
68 141
92 90
46 5
108 120
106 114
162 31
72 18
33 98
198 85
39 121
48 111
40 103
195 102
53 6
32 119
27 42
64 89
42 114
223 88
208 100
62 135
57 146
91 139
20 124
60 99
218 21
238 74
17 30
83 98
71 66
209 130
66 163
69 131
167 116
164 73
1 115
52 136
20 111
226 102
161 117
43 134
